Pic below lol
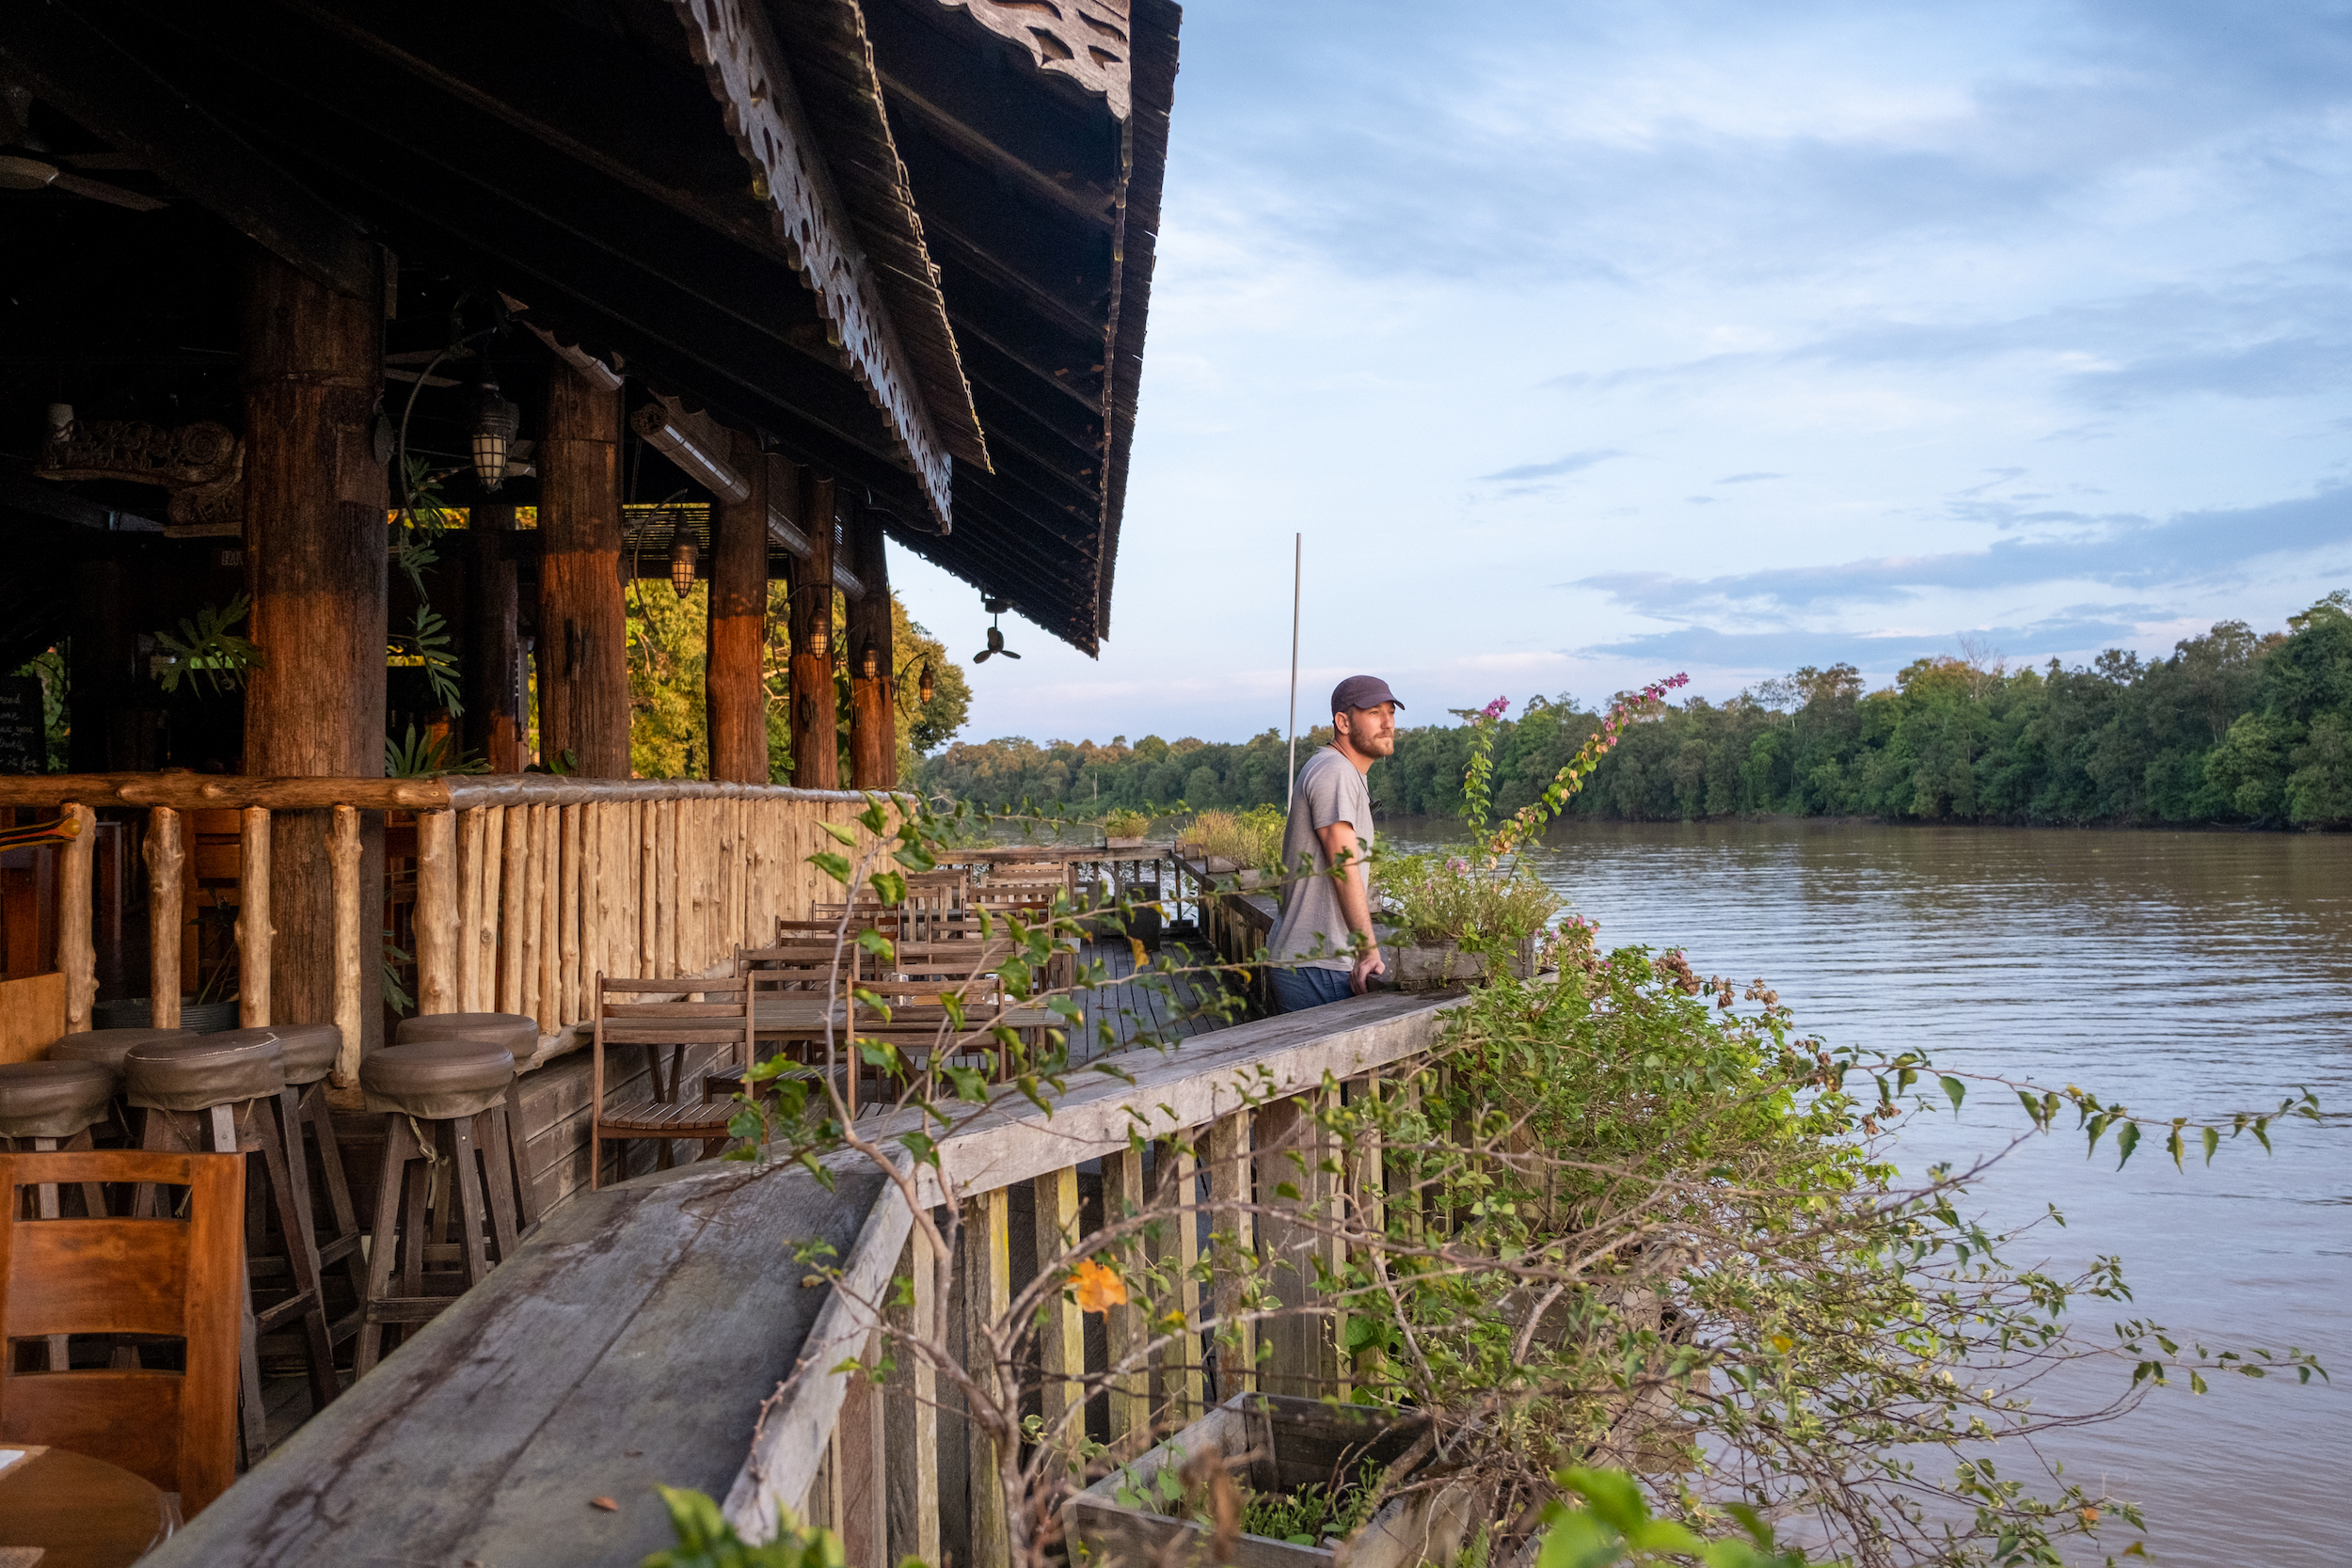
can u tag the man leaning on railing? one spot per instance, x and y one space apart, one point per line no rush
1330 818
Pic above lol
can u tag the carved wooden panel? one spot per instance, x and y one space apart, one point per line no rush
1083 39
201 464
763 114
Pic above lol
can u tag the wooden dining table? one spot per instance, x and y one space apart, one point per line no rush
76 1511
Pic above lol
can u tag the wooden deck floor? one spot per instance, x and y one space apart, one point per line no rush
1175 1010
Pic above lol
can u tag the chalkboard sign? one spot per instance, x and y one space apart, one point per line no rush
23 738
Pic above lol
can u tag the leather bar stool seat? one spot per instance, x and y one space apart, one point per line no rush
438 1080
448 1177
309 1049
232 1068
517 1032
107 1047
53 1099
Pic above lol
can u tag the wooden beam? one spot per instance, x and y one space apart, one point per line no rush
987 1268
68 57
166 855
436 911
350 934
749 77
254 931
1061 1357
77 947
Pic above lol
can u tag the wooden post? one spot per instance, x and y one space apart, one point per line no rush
1229 1183
165 858
987 1265
77 945
352 970
1303 1357
1368 1206
815 730
736 695
465 947
864 1519
254 930
1124 1332
315 497
539 919
483 933
567 918
1178 1389
1062 1351
515 932
873 676
436 911
912 1413
494 649
583 647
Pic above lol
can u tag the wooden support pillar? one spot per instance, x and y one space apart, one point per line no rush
256 930
987 1270
734 693
873 675
165 856
815 730
77 948
583 629
1302 1358
911 1414
494 649
315 552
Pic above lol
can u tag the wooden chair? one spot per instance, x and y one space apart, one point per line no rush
723 1019
181 1277
920 1027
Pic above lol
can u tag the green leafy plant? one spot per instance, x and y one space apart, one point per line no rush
396 995
425 645
421 756
1250 838
208 651
1614 1525
1126 823
706 1540
1441 898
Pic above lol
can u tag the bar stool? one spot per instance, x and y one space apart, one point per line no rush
50 1105
519 1033
219 1093
106 1047
444 1104
310 1051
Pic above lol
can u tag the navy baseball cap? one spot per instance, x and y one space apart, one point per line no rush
1361 691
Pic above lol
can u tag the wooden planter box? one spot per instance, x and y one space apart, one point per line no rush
1435 966
1126 842
1272 1443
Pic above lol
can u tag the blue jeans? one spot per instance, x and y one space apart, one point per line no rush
1296 989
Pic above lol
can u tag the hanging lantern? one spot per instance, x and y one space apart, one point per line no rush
866 661
494 421
820 633
681 559
923 689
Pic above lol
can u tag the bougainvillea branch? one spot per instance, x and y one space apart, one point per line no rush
1571 777
1478 781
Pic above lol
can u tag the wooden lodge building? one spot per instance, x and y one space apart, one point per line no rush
745 292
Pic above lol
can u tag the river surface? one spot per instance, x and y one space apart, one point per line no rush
2180 973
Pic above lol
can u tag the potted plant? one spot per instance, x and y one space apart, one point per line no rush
1268 1480
1125 829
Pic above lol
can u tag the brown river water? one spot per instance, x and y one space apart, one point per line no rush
2181 973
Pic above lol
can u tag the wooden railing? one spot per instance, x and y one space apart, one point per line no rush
526 887
1225 1113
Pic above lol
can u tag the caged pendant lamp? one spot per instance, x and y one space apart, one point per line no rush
493 421
682 555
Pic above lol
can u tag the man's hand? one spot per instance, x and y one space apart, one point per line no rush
1369 964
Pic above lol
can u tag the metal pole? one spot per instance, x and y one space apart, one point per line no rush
1298 565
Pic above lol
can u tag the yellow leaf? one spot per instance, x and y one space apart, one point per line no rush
1100 1289
1781 1344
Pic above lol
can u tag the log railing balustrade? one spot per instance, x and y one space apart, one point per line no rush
527 886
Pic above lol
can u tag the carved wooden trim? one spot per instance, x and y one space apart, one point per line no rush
729 39
201 464
1083 39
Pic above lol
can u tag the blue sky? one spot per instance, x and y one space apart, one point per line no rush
1590 343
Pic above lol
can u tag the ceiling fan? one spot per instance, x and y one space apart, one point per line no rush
20 170
996 635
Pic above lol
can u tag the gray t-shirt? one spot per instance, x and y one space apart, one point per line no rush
1330 790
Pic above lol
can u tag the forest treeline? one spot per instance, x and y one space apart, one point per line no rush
2233 727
